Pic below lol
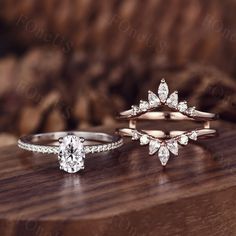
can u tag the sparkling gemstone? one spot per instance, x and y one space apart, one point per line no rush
135 110
153 99
71 154
183 139
172 101
193 135
191 111
144 139
135 135
163 91
153 146
182 106
163 155
143 105
172 146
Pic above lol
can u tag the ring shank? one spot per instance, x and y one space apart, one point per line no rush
168 115
34 142
202 133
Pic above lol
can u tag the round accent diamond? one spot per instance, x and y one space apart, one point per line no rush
183 139
144 139
183 106
135 135
193 135
143 105
71 153
135 110
191 111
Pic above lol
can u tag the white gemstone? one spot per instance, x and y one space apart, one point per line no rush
172 146
183 139
182 107
153 99
144 139
71 154
163 155
172 101
135 110
193 135
163 91
191 111
143 105
135 135
153 146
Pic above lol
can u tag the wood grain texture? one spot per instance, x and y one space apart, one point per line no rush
125 192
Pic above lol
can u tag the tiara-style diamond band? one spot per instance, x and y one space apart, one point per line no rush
163 98
158 141
164 144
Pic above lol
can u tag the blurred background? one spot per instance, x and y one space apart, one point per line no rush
73 64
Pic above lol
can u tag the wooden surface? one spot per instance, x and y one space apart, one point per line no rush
122 193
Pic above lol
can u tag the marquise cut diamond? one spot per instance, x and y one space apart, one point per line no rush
153 99
172 101
163 91
71 154
153 146
163 155
172 146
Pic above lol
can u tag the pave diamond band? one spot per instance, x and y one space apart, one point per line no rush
70 147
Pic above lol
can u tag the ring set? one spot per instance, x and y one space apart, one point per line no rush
160 142
73 147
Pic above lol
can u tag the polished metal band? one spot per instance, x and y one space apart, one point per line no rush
48 142
167 115
161 135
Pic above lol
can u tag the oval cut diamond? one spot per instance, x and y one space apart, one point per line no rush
71 154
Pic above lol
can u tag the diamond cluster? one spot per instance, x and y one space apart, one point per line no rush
163 98
165 147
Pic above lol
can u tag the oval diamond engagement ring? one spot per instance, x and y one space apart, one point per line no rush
71 147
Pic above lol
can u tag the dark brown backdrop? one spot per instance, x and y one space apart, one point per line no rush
73 64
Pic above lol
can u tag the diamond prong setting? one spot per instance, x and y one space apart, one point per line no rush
164 148
163 98
71 153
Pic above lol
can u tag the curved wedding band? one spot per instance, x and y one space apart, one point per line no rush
159 141
70 146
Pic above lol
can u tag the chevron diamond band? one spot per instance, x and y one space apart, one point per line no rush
161 142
